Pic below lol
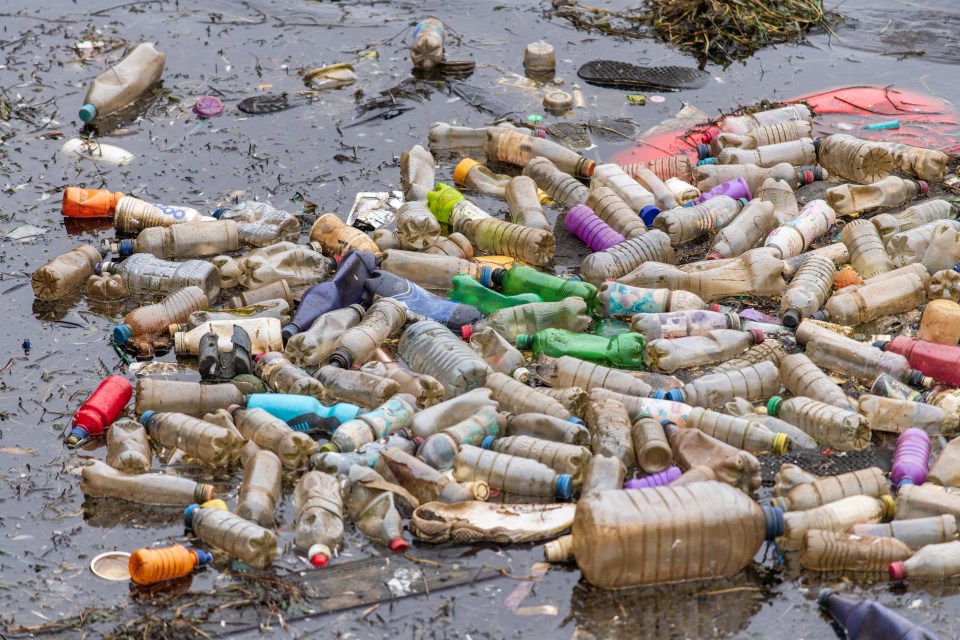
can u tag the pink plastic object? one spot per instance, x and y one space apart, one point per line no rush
911 458
660 479
736 188
582 222
208 107
939 361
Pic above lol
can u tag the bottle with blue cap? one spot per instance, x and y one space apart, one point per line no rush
439 449
244 540
516 397
431 270
185 240
100 480
611 208
684 224
752 383
566 458
511 474
544 427
395 414
124 82
610 429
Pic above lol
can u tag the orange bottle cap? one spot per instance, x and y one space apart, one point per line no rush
461 170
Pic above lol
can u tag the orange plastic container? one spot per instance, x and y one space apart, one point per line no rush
148 566
89 203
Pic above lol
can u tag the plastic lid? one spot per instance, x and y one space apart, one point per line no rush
330 447
188 515
341 358
904 482
203 557
524 341
665 422
319 560
576 420
146 417
707 161
122 333
791 318
208 107
816 144
659 394
713 307
648 214
487 442
823 595
773 406
486 277
497 276
780 444
703 151
399 544
557 101
924 187
897 572
713 255
466 331
77 435
203 493
289 331
888 507
98 268
758 336
881 344
88 112
462 169
773 518
125 247
564 486
821 315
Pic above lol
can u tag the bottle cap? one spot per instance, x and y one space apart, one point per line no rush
773 406
703 151
125 247
76 436
496 277
557 101
319 555
780 444
216 503
188 515
208 107
147 417
791 318
576 420
203 557
203 493
714 255
648 214
897 572
466 331
674 395
758 336
666 422
710 134
486 277
707 161
330 447
539 57
881 344
816 145
904 482
399 544
88 112
341 358
888 507
659 394
773 518
564 486
539 133
524 341
924 187
462 169
487 442
823 595
121 333
713 307
289 331
441 201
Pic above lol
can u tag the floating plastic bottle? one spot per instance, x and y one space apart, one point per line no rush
768 350
156 318
795 152
187 240
943 252
65 273
417 227
511 474
128 449
683 191
684 224
820 491
841 354
260 488
357 345
781 195
296 264
886 386
610 207
765 135
561 457
345 288
419 302
145 274
268 432
373 510
395 414
430 270
427 484
240 538
916 533
428 39
314 346
923 213
647 524
738 432
708 176
854 159
90 203
361 388
664 168
867 254
895 415
500 354
940 322
663 196
908 247
838 551
617 299
679 324
795 236
834 427
650 445
319 520
517 148
264 335
103 481
124 82
802 377
755 382
594 232
910 458
926 500
837 252
518 398
426 389
460 407
798 439
560 186
623 184
570 314
620 259
872 301
476 176
150 566
203 441
603 473
680 353
99 411
190 398
468 291
417 173
750 122
336 237
133 215
752 225
430 348
522 198
926 164
863 619
568 371
610 430
550 288
808 289
273 291
625 351
839 515
283 376
439 449
890 192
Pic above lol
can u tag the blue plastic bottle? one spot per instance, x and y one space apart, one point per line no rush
864 619
420 301
288 406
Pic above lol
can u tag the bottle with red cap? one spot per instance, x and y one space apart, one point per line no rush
938 361
373 508
932 562
319 522
100 410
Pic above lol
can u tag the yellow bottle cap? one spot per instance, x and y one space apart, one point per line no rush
889 507
215 504
461 170
780 444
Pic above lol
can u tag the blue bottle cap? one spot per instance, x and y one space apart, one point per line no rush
648 213
88 112
574 277
288 332
122 333
76 436
487 442
707 161
216 214
703 151
576 420
564 486
125 247
823 595
146 417
674 395
486 277
203 557
773 518
904 482
665 422
188 515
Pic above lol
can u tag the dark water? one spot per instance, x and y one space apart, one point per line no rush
240 49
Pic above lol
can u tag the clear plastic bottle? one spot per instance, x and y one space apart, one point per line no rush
738 432
802 377
926 500
663 196
809 495
622 258
867 254
313 347
282 376
835 516
65 273
683 191
620 537
795 152
393 415
748 123
417 227
680 353
100 480
794 237
837 252
573 398
260 488
427 484
613 177
838 551
565 458
500 354
526 209
834 427
685 224
909 247
145 274
710 175
789 477
297 265
753 224
373 510
610 430
568 371
768 350
562 187
926 164
278 290
417 173
124 82
510 474
201 440
426 389
610 207
264 335
533 246
361 388
753 383
319 521
945 470
156 318
544 427
128 449
133 215
240 538
273 434
680 324
336 237
916 533
430 348
570 314
872 301
854 159
943 251
187 240
430 270
782 196
439 449
808 289
694 451
765 135
476 176
618 299
357 345
516 397
933 562
857 359
603 473
460 407
664 168
896 415
798 438
191 398
428 39
912 217
445 137
260 224
650 444
890 192
514 147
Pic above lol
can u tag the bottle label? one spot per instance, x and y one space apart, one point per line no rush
627 300
180 214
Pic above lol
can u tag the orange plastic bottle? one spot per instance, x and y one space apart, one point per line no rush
89 203
149 566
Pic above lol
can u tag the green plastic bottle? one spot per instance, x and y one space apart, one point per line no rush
625 351
551 288
609 327
468 291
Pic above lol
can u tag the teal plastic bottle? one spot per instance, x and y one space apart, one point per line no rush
287 406
625 351
550 288
468 291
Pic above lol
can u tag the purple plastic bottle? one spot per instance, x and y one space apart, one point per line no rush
911 457
660 479
736 188
344 289
582 222
863 619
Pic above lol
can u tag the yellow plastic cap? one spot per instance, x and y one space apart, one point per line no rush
780 444
462 169
889 507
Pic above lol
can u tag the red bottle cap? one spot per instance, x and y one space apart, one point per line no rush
467 331
714 307
399 544
319 560
758 336
897 571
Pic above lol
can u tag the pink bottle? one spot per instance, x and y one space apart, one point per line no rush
911 458
939 361
582 222
660 479
736 188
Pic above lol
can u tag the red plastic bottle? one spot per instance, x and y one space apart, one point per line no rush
100 410
938 361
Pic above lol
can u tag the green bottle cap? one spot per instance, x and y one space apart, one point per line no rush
524 341
773 406
442 200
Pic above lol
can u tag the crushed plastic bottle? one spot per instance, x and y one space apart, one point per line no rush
242 539
124 82
65 273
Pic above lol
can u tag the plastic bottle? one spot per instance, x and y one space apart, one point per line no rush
420 302
610 207
433 419
426 389
892 296
128 449
296 264
550 288
417 228
260 488
187 240
679 324
313 346
89 203
439 449
943 252
896 415
834 427
795 152
854 159
426 483
393 415
795 236
124 82
373 509
616 533
430 348
940 322
65 273
511 474
669 355
99 411
603 473
935 360
516 397
738 432
768 350
573 398
613 177
594 232
863 619
610 430
103 481
617 299
427 50
430 270
356 345
190 398
417 173
319 520
564 458
664 168
531 318
839 515
798 439
204 441
336 237
765 135
568 371
620 259
926 164
889 224
708 176
810 495
345 288
264 335
486 301
808 290
837 252
357 387
890 192
150 566
684 192
926 500
736 189
278 290
156 318
908 247
684 224
789 477
650 445
476 176
282 376
544 427
444 137
522 197
268 432
886 386
517 148
695 450
781 195
838 551
500 354
663 196
744 232
747 123
910 458
802 377
132 215
916 533
755 382
561 187
867 254
145 274
240 538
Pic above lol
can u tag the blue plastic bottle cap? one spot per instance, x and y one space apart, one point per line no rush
488 441
122 333
576 420
288 332
125 247
703 151
145 418
904 482
665 422
564 486
188 515
648 214
773 517
659 394
823 595
88 112
203 557
673 395
707 161
216 214
486 277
